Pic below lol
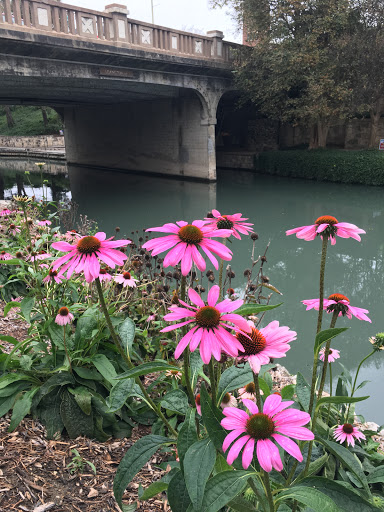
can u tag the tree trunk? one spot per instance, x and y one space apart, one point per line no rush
8 115
375 115
322 133
45 116
313 137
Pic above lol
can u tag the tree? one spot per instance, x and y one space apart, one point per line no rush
293 69
45 116
8 114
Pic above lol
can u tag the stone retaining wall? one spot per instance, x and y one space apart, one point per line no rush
40 141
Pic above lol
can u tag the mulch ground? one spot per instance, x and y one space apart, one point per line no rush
34 472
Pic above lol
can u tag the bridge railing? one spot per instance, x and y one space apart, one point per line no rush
110 27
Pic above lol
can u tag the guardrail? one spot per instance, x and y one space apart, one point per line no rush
110 27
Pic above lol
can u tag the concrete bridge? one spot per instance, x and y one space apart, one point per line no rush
133 96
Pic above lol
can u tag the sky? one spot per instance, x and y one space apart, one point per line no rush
188 15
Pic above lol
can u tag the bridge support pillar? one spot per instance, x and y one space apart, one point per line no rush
170 136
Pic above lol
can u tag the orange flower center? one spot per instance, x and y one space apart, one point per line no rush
255 344
12 226
260 426
326 219
103 271
53 273
347 428
250 388
190 234
197 399
2 252
88 245
337 297
226 398
208 316
127 275
64 311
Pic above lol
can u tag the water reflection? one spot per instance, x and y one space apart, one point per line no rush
274 205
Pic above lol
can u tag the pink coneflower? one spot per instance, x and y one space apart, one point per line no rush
126 280
13 229
84 254
228 401
185 241
40 256
44 222
329 226
64 316
5 255
198 404
53 276
347 432
104 275
262 345
175 374
333 354
210 328
233 222
338 302
151 318
5 212
248 391
72 236
262 428
44 265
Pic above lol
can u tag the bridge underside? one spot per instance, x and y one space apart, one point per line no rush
127 112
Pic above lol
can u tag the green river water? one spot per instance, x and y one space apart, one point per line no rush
133 202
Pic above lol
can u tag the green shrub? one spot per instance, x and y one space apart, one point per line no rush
365 166
29 121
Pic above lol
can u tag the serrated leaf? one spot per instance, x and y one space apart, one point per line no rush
176 401
303 391
120 393
316 500
21 408
178 496
344 497
237 377
26 306
348 460
76 422
135 458
187 435
105 367
223 488
126 332
145 368
255 309
200 460
326 335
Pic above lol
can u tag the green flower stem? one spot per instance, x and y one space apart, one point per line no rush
321 388
265 475
212 376
330 393
221 269
355 381
66 352
186 363
319 318
126 358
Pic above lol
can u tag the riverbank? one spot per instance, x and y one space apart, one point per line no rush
51 147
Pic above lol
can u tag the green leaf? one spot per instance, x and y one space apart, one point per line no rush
48 412
221 465
340 400
223 488
177 493
21 408
13 388
187 435
10 378
153 490
87 373
255 309
316 500
9 306
76 422
376 476
264 387
57 335
348 460
9 339
303 391
240 504
315 466
344 497
176 401
212 417
326 335
126 332
133 461
14 261
287 392
7 403
105 367
196 365
362 384
237 377
26 306
145 368
86 324
83 398
199 460
119 394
